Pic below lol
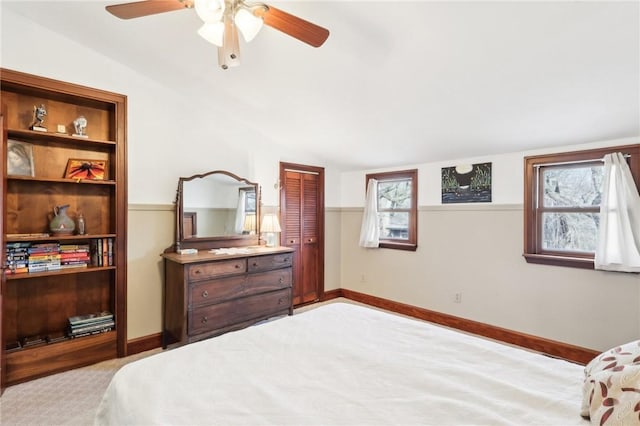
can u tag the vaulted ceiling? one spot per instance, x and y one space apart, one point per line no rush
397 82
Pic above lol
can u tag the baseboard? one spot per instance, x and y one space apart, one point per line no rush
331 294
553 348
144 343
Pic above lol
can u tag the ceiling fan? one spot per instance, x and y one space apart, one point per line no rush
222 20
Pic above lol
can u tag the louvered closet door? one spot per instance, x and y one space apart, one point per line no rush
302 210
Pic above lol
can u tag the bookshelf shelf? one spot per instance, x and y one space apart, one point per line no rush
30 275
39 303
61 238
62 180
49 137
85 351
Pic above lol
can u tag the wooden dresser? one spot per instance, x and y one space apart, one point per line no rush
208 294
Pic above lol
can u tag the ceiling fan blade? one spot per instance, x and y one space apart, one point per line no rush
138 9
304 31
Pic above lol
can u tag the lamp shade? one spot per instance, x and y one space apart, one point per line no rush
209 10
249 225
248 24
270 223
213 33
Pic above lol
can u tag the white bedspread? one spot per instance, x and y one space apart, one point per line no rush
342 364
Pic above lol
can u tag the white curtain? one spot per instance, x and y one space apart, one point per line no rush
239 225
369 231
618 247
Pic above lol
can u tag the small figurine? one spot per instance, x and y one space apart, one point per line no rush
80 125
39 112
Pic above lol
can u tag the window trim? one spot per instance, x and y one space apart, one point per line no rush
533 252
411 244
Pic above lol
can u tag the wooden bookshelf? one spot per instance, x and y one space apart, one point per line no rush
39 303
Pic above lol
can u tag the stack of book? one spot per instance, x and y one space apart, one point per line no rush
102 252
18 257
86 325
44 257
74 256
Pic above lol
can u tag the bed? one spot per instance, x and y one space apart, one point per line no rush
344 364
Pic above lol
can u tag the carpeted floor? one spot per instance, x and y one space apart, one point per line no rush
69 398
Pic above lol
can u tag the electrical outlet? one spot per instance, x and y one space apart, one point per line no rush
458 298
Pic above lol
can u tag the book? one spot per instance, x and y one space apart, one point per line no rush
30 341
105 252
89 333
44 267
13 346
73 265
18 245
83 328
92 317
110 251
56 337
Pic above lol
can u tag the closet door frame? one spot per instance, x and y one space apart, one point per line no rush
319 171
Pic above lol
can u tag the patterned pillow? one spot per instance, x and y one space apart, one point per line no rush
614 396
611 391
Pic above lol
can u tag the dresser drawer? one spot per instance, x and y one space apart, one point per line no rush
268 262
215 291
203 271
212 317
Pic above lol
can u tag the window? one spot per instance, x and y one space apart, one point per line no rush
397 208
562 204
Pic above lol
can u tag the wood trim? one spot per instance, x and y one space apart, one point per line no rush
532 251
412 243
549 347
144 343
331 294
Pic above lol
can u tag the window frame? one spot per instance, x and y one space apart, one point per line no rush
411 243
533 250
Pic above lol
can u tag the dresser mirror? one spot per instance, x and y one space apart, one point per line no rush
217 209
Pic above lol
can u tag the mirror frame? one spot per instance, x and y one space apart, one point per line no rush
201 243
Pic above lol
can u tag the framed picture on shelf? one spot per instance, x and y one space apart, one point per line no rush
20 158
86 169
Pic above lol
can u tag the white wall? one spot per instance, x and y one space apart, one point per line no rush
507 175
476 250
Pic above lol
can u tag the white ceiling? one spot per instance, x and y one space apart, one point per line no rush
397 82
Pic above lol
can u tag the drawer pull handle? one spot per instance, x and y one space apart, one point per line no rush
280 301
292 241
237 266
281 280
204 320
197 271
205 294
255 263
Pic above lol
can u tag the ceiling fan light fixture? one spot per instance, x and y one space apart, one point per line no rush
210 10
229 53
248 24
213 33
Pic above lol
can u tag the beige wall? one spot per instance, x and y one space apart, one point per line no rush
150 231
476 251
332 249
473 250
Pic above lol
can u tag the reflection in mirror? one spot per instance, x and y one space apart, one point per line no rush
217 205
